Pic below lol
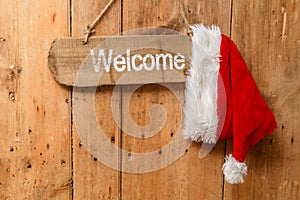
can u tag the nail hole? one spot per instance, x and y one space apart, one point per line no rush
292 140
171 134
28 165
112 139
63 162
12 96
95 159
11 149
186 72
186 150
19 70
160 152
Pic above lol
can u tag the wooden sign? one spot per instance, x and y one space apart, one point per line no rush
120 60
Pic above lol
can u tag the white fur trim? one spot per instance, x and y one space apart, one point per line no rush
234 171
200 111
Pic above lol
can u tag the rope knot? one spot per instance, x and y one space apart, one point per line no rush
190 32
90 28
88 31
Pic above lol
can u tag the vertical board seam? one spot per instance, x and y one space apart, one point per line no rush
121 17
121 109
71 110
70 18
225 146
231 10
121 141
223 179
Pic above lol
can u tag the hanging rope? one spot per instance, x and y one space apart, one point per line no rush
186 23
90 29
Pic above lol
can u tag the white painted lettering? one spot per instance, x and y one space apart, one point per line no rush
164 61
134 67
101 55
136 62
128 60
179 59
119 60
152 62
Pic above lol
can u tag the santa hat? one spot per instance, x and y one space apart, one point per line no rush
222 100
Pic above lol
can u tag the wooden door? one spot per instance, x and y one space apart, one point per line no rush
42 155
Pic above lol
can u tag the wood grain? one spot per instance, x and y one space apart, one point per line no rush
71 63
189 177
267 34
36 128
35 161
92 179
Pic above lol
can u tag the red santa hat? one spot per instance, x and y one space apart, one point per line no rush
222 100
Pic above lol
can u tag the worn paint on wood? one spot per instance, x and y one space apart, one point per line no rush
35 158
72 63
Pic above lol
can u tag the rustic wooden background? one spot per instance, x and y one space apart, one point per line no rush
41 155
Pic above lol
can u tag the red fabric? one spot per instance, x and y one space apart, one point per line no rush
248 118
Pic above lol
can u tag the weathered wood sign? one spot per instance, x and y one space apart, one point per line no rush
120 60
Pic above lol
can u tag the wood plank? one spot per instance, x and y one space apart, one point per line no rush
35 161
92 179
189 177
72 63
270 46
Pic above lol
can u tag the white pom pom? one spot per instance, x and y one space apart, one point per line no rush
234 170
